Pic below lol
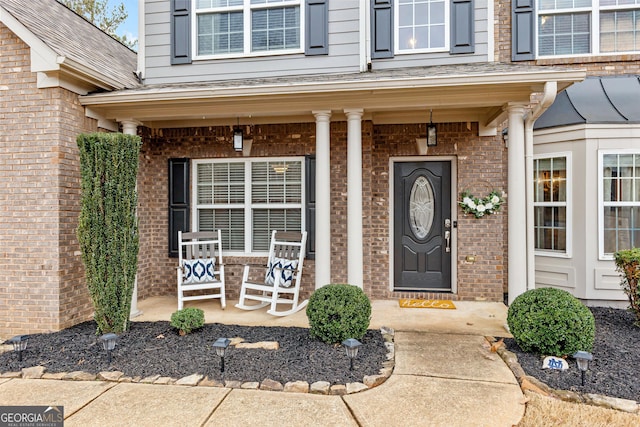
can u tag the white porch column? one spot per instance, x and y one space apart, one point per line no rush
516 202
354 197
323 197
130 127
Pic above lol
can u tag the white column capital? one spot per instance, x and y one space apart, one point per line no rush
129 126
515 107
353 113
322 115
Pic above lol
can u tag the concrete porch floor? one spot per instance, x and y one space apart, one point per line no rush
469 317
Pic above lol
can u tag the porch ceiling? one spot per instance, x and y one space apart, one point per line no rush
455 94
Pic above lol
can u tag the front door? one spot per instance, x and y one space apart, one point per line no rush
422 226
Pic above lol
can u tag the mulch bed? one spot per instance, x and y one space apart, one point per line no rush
614 370
155 348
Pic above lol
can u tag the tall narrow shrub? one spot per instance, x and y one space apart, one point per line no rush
108 227
628 264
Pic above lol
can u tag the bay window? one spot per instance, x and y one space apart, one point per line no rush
247 199
550 201
620 202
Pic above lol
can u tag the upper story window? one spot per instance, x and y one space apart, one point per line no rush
248 198
582 27
240 27
619 201
421 25
551 204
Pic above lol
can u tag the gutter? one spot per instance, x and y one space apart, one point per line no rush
173 93
549 95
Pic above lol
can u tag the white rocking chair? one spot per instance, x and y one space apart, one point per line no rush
281 283
200 267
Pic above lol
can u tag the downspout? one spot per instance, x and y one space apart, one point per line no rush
549 95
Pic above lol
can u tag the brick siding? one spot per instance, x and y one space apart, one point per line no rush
481 165
43 287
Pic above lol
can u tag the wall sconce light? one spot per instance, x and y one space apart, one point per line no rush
432 132
583 358
220 346
351 346
108 344
19 343
237 137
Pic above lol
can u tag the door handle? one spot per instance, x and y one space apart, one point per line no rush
447 238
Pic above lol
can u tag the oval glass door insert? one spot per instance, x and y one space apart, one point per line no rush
421 203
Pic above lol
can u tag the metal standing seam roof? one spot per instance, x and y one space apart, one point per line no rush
71 36
596 100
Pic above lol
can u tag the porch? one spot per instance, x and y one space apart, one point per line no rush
469 318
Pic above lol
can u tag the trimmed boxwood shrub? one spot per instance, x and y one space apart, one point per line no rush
551 322
187 320
337 312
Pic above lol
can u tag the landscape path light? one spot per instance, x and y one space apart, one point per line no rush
220 346
583 358
351 346
19 343
109 343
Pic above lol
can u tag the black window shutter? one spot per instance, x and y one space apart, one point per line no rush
310 211
317 31
178 201
381 29
180 32
523 44
462 26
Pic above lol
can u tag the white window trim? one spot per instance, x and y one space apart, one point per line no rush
595 35
568 253
396 32
247 206
247 34
601 153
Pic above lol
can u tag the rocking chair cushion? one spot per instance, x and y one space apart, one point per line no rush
198 270
285 268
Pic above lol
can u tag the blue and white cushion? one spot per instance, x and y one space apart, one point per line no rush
198 270
285 268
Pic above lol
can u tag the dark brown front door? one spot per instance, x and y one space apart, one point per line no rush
422 226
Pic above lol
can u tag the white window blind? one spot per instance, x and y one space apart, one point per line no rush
233 27
248 199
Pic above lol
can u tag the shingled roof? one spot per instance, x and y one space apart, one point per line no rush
76 40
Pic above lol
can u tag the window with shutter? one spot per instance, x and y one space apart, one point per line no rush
588 27
227 28
422 25
247 199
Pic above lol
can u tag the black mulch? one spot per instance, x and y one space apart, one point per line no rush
614 370
155 348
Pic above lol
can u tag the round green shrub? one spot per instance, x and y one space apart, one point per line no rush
337 312
551 322
187 320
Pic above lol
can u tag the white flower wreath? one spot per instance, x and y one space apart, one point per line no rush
480 207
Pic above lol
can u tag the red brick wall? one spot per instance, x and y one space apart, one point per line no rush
43 287
481 164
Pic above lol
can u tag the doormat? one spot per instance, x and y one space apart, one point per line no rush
427 303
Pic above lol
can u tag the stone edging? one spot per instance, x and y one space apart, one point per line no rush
528 382
319 387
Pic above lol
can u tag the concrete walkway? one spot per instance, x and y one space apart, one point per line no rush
445 375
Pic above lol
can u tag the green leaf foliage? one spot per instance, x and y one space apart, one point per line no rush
337 312
551 322
628 264
187 319
108 226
